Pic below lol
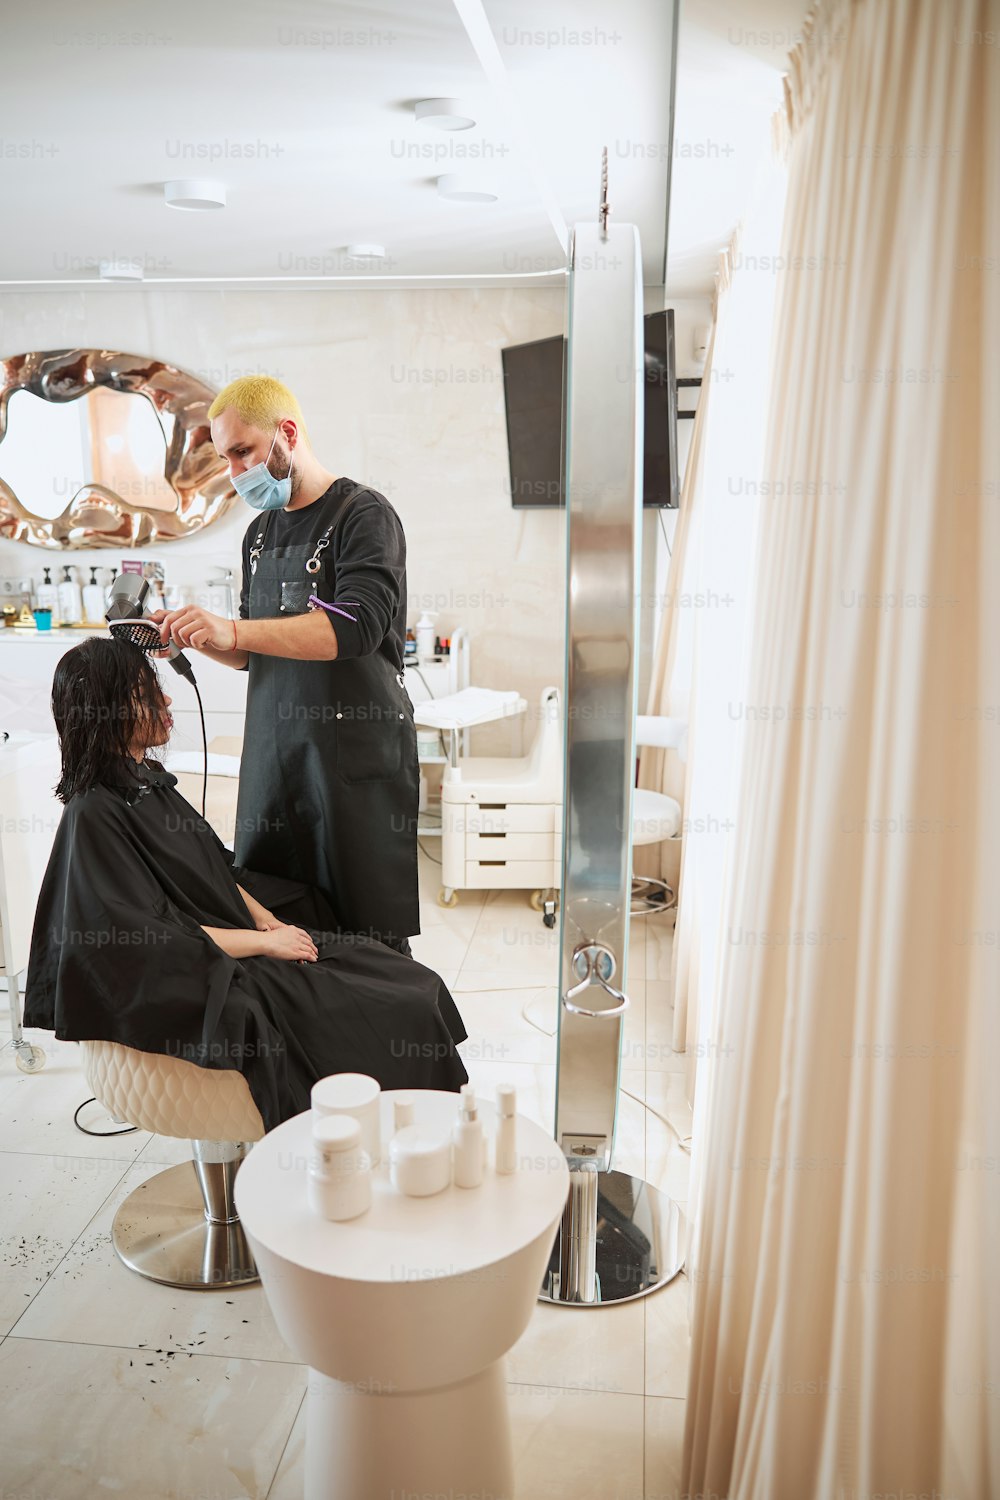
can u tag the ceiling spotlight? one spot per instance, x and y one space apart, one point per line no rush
120 270
365 252
443 114
196 194
459 187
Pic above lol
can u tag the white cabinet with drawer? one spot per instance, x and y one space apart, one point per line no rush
503 846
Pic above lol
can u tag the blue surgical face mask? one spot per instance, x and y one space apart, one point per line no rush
259 488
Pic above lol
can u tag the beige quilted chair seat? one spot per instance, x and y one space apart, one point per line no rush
181 1226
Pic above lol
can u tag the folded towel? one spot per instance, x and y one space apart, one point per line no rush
471 706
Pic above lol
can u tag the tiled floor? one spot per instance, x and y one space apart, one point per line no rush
112 1384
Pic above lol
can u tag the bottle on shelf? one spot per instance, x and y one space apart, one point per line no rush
425 635
47 596
70 599
93 600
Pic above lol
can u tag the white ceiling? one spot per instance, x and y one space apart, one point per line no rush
305 112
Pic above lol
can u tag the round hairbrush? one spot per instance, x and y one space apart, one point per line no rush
139 633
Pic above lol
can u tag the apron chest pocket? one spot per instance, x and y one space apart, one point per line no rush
294 596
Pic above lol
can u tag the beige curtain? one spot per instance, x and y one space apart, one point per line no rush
844 1341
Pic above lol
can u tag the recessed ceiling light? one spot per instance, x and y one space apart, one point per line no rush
460 187
443 114
365 252
196 194
120 270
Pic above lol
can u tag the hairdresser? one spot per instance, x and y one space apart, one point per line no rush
329 780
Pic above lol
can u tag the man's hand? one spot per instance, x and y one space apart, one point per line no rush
194 627
291 943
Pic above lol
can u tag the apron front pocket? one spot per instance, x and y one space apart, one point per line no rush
370 738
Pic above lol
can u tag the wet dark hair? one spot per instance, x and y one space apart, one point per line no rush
101 694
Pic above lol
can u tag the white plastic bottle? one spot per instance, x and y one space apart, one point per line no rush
70 599
468 1144
402 1111
506 1139
93 600
425 635
339 1181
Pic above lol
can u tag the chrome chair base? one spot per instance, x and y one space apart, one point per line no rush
620 1239
180 1227
650 895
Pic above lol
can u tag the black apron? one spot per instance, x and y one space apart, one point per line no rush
329 781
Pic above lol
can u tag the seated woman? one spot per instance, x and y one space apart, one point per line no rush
148 935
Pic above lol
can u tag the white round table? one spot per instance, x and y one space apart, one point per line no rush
405 1313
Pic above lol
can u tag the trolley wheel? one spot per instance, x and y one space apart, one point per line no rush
549 919
30 1059
536 900
447 897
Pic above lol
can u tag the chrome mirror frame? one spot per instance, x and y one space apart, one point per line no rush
96 517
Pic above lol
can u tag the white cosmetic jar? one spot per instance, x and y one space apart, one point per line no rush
353 1094
420 1161
339 1180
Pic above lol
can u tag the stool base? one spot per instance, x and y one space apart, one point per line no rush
651 896
382 1444
620 1238
162 1232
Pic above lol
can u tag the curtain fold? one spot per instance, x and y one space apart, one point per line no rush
833 1305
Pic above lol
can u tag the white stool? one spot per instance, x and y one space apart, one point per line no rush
181 1226
404 1314
655 816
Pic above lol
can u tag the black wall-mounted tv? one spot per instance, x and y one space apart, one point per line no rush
534 394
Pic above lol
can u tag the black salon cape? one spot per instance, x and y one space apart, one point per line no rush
118 954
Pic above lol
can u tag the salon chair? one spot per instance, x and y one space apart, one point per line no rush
181 1226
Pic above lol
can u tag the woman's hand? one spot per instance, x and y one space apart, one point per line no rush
262 919
290 943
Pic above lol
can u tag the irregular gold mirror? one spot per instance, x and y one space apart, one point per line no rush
99 449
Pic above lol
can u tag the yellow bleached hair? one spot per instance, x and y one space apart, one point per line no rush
259 400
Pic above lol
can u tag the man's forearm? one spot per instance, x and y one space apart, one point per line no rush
235 659
308 637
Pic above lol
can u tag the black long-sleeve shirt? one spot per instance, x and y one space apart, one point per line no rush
363 569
